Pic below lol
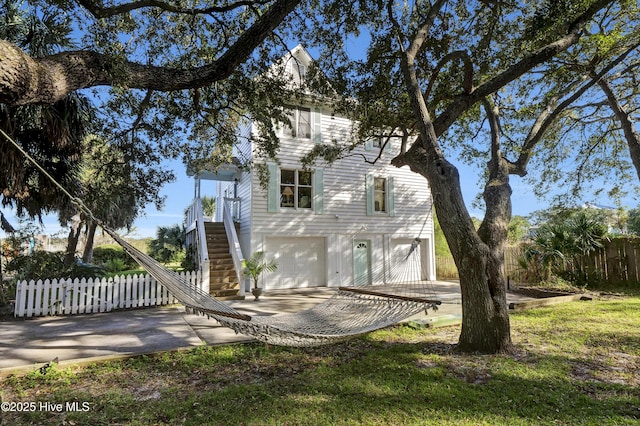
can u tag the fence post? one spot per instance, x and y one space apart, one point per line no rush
46 306
632 259
30 292
37 307
20 298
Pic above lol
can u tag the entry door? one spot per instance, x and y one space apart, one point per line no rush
362 262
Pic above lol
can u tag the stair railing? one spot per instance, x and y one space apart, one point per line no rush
234 246
195 221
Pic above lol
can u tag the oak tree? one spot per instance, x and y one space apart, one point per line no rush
467 78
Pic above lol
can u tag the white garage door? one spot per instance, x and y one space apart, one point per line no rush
408 269
301 262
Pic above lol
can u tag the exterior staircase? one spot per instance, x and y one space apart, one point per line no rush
223 281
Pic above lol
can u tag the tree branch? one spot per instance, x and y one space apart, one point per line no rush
98 10
423 31
632 137
465 101
550 114
468 71
24 80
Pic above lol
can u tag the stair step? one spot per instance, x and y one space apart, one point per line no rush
222 275
223 287
221 263
215 272
223 281
228 296
219 239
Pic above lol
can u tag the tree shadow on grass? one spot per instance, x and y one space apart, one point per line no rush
363 381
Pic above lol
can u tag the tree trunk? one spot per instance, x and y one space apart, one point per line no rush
72 244
485 318
87 255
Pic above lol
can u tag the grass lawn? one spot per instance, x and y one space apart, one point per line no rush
576 364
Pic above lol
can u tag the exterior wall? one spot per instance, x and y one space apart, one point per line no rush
324 236
344 218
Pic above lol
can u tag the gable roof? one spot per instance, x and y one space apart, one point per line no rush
297 61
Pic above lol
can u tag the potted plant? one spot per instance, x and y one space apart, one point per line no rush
255 266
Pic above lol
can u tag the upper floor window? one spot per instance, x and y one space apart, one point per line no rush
299 71
379 195
290 189
296 189
300 119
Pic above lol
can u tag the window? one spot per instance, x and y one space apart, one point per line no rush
306 189
379 142
298 71
300 119
379 194
296 189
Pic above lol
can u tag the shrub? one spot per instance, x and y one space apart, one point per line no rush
112 255
116 265
42 265
7 291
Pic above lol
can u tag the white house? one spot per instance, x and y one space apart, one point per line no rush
338 225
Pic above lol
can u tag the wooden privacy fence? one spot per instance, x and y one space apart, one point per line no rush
83 296
446 267
617 263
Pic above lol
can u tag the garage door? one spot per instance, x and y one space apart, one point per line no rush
301 262
411 269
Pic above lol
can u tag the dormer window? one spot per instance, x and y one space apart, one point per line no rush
300 119
298 71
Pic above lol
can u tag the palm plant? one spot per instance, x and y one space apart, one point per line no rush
208 206
560 248
52 134
256 265
548 250
168 246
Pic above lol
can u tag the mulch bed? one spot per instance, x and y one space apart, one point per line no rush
544 297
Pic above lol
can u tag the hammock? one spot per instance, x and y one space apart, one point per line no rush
348 313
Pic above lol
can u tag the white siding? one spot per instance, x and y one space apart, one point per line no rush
344 216
345 197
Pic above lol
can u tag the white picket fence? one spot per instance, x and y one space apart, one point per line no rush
83 296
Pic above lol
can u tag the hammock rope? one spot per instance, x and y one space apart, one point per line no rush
349 312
